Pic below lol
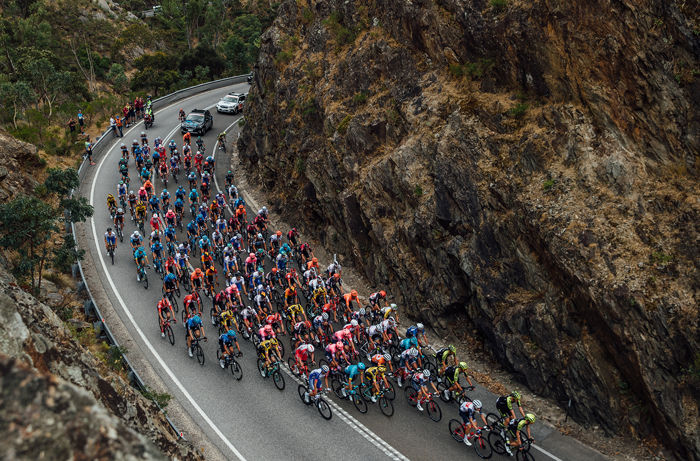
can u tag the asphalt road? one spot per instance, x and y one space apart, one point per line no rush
251 419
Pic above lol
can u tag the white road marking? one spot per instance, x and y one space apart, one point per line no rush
148 344
546 452
357 426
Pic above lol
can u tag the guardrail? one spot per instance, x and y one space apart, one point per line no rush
91 308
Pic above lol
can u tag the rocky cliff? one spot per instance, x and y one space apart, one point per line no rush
59 401
525 169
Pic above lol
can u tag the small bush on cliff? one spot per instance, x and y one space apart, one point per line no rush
359 98
283 57
548 184
342 35
343 125
300 165
499 5
161 399
518 110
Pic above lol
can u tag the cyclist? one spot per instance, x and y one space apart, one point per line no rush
383 360
192 304
373 374
419 383
194 330
349 298
351 371
333 350
165 312
121 191
197 278
111 204
229 179
170 283
504 405
141 259
335 285
376 298
226 342
110 240
452 378
307 255
518 426
391 310
315 385
222 138
320 322
136 240
417 332
443 354
468 411
410 360
119 218
266 347
292 236
302 355
290 297
266 332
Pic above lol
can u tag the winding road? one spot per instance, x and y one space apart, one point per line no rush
251 419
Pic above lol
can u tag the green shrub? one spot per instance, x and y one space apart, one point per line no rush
41 191
342 35
161 399
300 165
283 57
499 5
309 108
343 125
548 184
518 110
418 191
307 16
359 98
241 121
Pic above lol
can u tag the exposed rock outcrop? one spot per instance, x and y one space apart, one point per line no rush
531 171
58 401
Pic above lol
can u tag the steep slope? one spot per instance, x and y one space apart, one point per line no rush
528 169
58 401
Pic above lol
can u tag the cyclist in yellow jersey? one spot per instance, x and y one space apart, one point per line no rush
227 319
373 374
520 425
294 310
265 347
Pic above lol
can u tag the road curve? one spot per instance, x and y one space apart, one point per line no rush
251 419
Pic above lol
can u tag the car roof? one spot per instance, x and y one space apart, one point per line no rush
198 111
233 93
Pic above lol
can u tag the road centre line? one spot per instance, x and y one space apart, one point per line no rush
148 344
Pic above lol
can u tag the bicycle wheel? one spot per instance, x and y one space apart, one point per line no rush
176 307
434 411
199 353
433 369
389 392
522 455
145 281
170 334
386 406
366 392
301 390
293 367
456 430
278 380
359 403
324 408
482 447
525 441
410 393
236 370
282 351
212 314
111 255
337 387
497 442
261 368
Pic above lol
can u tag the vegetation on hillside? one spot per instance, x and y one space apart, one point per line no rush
59 56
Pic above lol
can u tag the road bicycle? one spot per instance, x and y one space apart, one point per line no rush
382 398
172 296
110 251
430 405
143 276
353 394
450 396
272 371
232 364
168 330
197 350
482 447
321 404
501 435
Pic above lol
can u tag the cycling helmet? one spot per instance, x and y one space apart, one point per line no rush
530 417
252 255
135 141
336 276
198 271
452 348
260 287
362 311
279 233
228 172
143 132
477 404
393 307
259 235
120 210
420 326
382 293
324 368
274 270
353 293
361 365
381 369
109 229
231 333
311 349
131 192
387 357
264 209
353 322
515 394
324 316
123 145
196 318
463 365
121 183
136 234
339 344
426 373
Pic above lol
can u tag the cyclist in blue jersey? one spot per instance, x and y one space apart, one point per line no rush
141 260
194 330
170 282
351 371
136 240
226 342
315 385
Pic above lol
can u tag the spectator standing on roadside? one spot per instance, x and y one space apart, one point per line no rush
131 115
119 126
88 150
71 127
125 113
81 122
113 125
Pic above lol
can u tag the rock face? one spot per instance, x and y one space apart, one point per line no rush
58 401
528 171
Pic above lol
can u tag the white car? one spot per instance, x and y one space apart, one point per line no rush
230 104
